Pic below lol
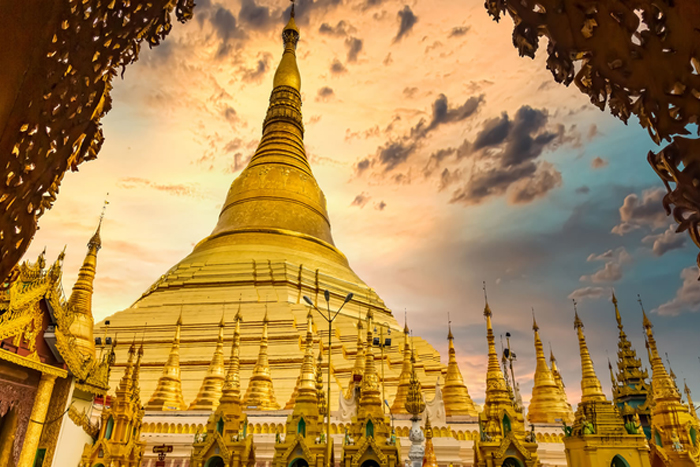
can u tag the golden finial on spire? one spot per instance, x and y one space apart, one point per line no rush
590 385
455 395
548 402
168 393
260 393
210 392
535 327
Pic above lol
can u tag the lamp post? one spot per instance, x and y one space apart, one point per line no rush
382 341
330 317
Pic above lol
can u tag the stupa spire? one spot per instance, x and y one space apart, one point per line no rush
305 389
213 383
591 390
277 193
497 394
359 368
548 402
429 459
455 394
370 399
398 406
555 370
168 393
260 393
231 391
80 300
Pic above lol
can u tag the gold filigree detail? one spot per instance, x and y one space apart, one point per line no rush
82 420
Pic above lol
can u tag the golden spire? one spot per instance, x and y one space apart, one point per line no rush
590 385
415 404
126 384
429 459
370 398
691 405
497 395
231 392
211 389
286 201
548 402
398 406
664 387
555 370
168 393
80 301
305 389
359 369
260 394
455 394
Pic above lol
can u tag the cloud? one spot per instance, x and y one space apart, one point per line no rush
255 16
354 46
380 206
398 150
255 74
305 8
504 153
170 188
526 190
341 29
226 29
687 297
459 31
406 22
360 200
587 292
325 94
598 163
583 190
337 68
647 212
612 269
666 241
387 60
410 92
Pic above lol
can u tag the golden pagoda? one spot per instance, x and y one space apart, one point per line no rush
429 459
358 368
260 394
548 404
630 383
600 435
370 438
226 440
454 392
271 246
674 429
210 392
399 404
503 439
168 393
305 437
119 439
555 372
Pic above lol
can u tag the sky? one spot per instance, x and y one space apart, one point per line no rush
446 160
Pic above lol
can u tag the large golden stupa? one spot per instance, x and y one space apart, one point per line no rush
271 246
